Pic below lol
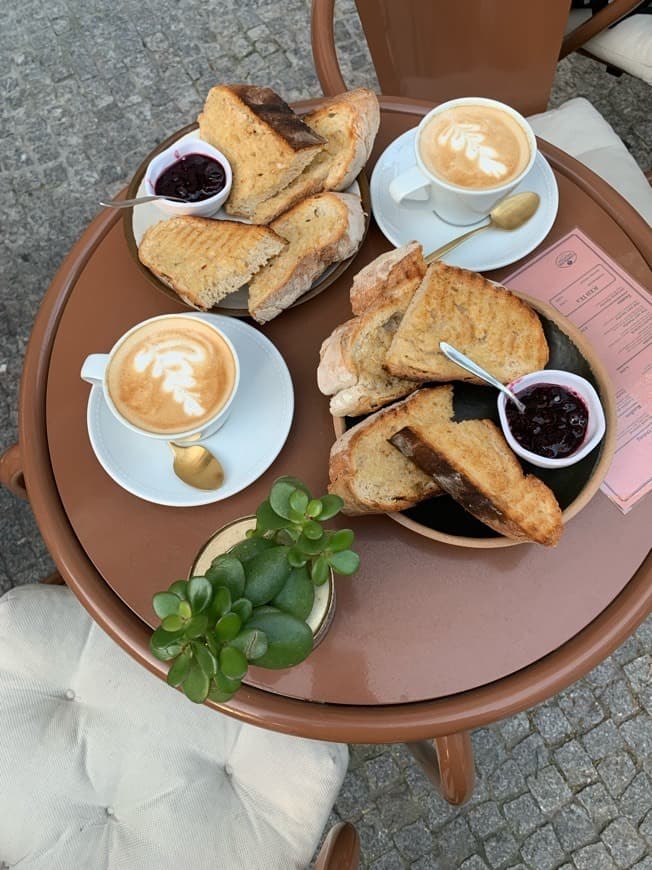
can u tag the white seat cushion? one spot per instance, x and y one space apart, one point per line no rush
579 129
627 45
104 765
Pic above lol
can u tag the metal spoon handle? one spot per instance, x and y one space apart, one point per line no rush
436 255
464 362
127 203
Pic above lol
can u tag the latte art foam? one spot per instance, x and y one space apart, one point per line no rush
171 376
474 146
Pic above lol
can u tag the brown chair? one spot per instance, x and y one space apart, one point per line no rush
437 51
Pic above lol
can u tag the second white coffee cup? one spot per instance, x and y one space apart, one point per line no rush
170 378
458 203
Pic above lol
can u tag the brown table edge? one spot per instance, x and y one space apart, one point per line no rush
346 723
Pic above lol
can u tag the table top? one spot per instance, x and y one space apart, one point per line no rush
425 635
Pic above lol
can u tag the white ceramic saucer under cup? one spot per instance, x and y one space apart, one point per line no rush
414 220
246 445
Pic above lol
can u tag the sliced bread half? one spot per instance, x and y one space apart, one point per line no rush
320 230
386 275
351 360
264 140
473 463
487 323
349 123
369 474
203 260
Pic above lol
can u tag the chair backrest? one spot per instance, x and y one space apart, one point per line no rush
591 25
437 50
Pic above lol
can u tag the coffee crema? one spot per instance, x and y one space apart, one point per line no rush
171 376
475 147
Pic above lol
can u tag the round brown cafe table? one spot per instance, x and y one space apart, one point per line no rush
428 639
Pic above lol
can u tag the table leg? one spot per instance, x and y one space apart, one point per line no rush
448 764
11 471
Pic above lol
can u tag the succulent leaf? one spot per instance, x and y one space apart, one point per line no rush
166 604
200 593
196 684
179 670
345 562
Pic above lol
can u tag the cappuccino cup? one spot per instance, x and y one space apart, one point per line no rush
469 153
171 378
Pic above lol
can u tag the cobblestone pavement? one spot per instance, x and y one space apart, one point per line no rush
87 89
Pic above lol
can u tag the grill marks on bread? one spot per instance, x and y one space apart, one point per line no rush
488 323
473 463
204 260
371 475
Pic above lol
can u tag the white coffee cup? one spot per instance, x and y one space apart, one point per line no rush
171 372
453 203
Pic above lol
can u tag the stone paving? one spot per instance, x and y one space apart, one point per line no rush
87 89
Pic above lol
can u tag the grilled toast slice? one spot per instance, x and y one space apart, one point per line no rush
386 275
264 140
351 360
369 474
320 230
204 260
488 323
473 463
348 123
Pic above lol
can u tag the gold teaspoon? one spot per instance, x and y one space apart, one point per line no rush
510 214
197 466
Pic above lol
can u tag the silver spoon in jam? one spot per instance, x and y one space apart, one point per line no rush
464 362
127 203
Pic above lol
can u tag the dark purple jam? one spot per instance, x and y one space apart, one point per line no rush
194 178
554 421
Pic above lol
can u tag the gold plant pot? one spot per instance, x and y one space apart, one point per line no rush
323 608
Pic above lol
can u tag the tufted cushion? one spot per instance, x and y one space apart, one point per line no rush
103 765
627 45
579 129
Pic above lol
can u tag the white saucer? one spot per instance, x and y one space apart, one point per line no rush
412 220
246 445
147 214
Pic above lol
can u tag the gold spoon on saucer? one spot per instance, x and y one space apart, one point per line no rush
510 214
196 466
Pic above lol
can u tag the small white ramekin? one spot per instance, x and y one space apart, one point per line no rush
596 424
158 164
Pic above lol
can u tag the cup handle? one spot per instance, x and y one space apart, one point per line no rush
411 184
94 367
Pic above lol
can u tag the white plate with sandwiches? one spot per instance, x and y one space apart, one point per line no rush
264 403
414 220
231 263
442 466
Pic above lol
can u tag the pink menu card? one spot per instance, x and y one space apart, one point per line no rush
615 313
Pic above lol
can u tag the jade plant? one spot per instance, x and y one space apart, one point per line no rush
251 604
